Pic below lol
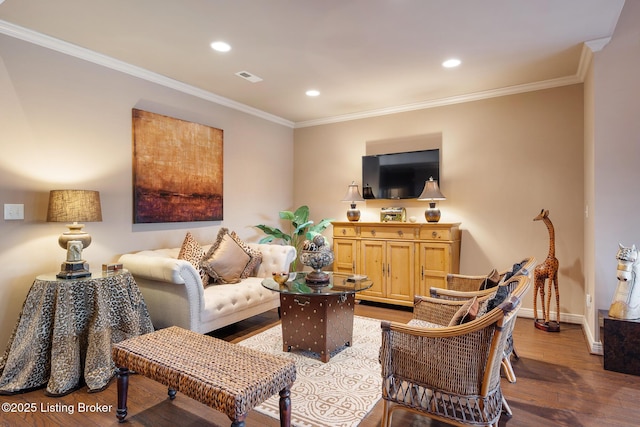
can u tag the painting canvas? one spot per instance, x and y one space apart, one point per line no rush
177 170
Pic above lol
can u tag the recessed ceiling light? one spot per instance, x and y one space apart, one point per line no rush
220 46
312 92
451 63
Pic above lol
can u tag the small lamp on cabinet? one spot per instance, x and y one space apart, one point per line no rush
367 192
431 193
73 206
353 196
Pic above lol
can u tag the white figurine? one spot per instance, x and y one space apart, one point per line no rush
74 251
626 301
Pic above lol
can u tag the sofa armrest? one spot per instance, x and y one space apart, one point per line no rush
153 266
275 258
171 287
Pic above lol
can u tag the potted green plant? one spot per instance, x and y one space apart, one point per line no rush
300 229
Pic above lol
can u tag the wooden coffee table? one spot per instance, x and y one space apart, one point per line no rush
317 319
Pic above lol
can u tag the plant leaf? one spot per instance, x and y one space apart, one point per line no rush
266 239
300 228
272 231
288 215
301 216
321 226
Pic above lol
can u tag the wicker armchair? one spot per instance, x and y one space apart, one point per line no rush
464 287
467 283
451 374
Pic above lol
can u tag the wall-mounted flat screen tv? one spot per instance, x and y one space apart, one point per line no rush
400 175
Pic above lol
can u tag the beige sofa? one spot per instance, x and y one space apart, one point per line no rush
174 294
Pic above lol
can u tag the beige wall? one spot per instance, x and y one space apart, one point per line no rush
66 123
503 160
616 135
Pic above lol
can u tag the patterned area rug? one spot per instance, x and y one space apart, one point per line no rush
338 393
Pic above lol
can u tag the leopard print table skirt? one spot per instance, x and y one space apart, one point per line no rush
66 328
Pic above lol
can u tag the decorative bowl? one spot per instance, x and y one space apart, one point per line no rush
316 260
280 277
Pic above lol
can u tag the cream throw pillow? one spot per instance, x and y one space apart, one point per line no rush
230 259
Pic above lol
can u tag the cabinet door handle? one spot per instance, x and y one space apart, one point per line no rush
434 234
373 232
400 233
388 270
344 232
302 301
422 271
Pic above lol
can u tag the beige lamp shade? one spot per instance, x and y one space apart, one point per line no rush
431 191
353 194
72 207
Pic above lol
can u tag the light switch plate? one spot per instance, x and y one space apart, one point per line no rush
13 211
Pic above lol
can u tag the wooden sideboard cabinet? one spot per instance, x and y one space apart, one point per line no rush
402 259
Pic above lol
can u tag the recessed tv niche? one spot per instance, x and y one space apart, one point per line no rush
400 175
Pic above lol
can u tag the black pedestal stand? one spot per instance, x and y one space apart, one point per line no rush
74 270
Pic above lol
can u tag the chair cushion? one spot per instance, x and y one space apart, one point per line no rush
500 296
230 259
515 271
466 313
192 252
423 324
491 281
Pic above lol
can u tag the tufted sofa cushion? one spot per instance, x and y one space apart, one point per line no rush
226 299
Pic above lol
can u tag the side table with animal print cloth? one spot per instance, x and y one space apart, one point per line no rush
227 377
66 329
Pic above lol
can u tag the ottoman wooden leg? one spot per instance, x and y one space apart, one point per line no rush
285 407
172 393
123 387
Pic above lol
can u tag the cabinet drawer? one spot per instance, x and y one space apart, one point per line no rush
388 233
344 231
435 234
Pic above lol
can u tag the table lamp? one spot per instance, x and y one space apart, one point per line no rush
431 192
72 206
367 192
353 196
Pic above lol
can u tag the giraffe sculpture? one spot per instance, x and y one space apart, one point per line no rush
548 270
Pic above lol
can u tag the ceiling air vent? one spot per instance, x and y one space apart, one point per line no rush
248 76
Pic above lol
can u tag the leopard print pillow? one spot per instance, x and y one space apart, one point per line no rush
192 251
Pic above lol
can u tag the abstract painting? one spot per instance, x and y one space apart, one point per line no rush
177 170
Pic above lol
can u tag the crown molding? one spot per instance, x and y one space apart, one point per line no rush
66 48
70 49
586 56
477 96
589 48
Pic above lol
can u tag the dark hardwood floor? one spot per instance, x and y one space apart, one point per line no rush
559 384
